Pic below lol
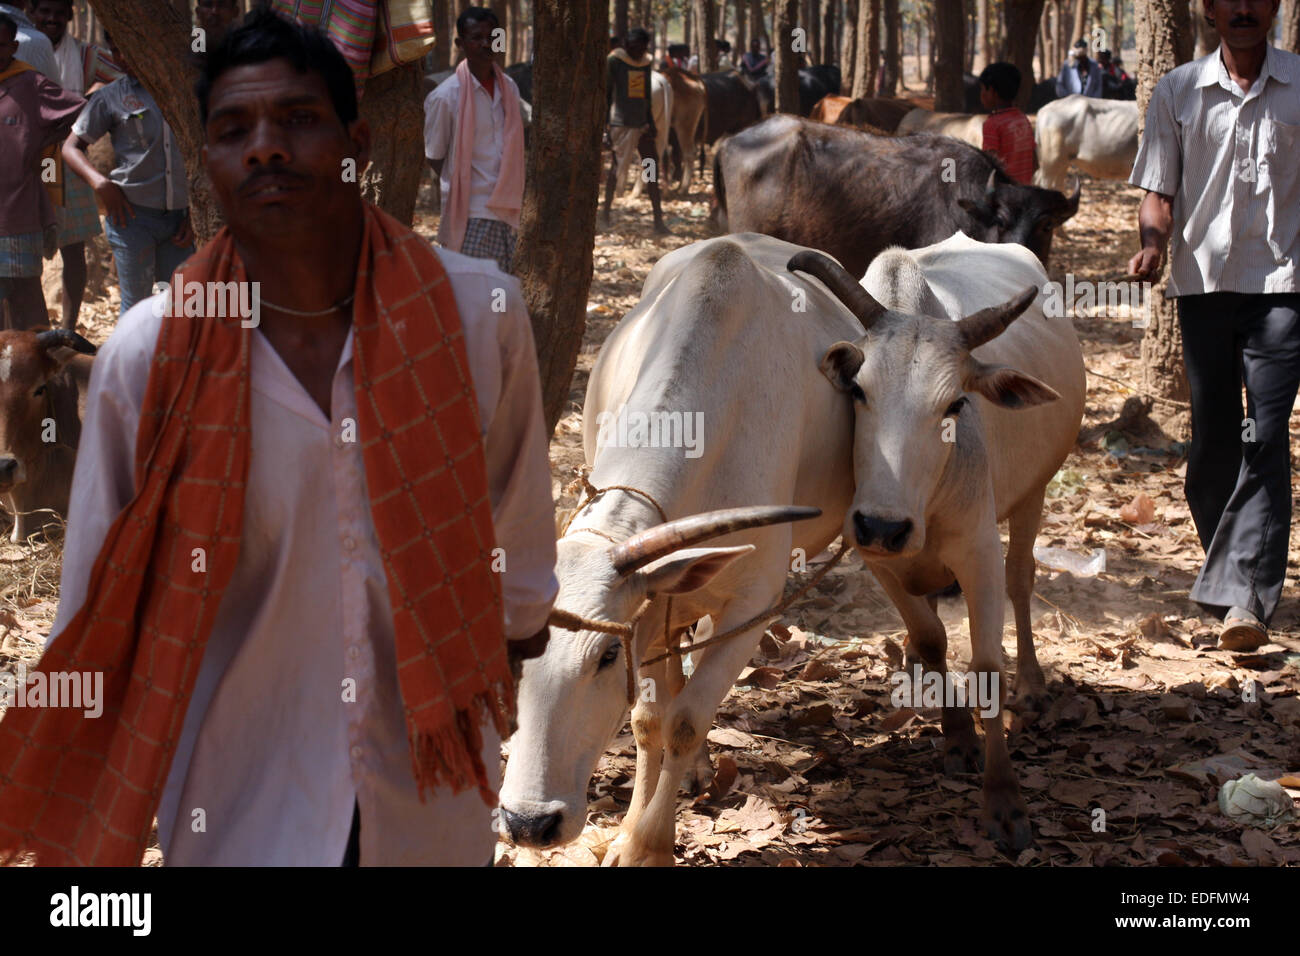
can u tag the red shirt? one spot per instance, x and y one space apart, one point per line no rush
1008 135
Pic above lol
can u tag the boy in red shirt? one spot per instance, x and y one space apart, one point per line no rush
1007 133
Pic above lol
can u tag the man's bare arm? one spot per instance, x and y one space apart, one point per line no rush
1155 225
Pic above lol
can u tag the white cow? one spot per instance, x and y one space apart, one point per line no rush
962 418
727 341
963 126
661 108
1099 136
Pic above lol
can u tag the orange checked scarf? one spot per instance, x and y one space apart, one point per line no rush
77 790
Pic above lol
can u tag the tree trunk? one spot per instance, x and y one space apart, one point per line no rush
757 23
742 37
983 53
557 226
1117 29
933 50
1023 17
893 52
848 46
393 106
868 52
1080 22
830 52
1164 41
787 60
620 20
950 41
1290 16
704 20
688 17
441 38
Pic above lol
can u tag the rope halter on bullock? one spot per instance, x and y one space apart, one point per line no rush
663 539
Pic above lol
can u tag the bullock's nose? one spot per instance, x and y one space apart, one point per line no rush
540 830
871 529
8 470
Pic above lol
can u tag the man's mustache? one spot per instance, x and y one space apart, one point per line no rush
1243 22
264 171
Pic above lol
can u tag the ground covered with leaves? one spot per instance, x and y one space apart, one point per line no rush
816 766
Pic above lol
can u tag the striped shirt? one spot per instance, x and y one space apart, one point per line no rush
1229 160
1008 135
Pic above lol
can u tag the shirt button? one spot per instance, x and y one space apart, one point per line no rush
349 543
353 653
356 753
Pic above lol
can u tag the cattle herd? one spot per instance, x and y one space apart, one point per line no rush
873 247
888 274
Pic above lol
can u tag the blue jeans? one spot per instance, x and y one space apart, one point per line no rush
144 252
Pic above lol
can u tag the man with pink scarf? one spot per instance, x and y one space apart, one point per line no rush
474 140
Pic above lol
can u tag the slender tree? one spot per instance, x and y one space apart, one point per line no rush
950 41
1164 41
848 45
562 176
1290 16
893 48
787 59
1023 18
868 52
705 21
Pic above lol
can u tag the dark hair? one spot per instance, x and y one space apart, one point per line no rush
36 3
265 35
1081 44
638 35
1003 79
9 23
474 15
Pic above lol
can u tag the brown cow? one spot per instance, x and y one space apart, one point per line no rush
689 101
41 381
829 108
877 112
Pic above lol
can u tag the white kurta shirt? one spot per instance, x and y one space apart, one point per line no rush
1230 161
442 127
271 756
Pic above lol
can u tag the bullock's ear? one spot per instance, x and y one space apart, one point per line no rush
841 364
689 569
1007 386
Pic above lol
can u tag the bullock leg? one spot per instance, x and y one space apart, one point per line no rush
700 773
1031 688
927 643
686 724
647 728
979 569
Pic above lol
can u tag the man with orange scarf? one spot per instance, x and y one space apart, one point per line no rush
307 539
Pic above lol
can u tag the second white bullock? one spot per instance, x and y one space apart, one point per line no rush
1098 136
964 126
963 415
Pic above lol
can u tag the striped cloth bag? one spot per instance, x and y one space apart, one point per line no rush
373 35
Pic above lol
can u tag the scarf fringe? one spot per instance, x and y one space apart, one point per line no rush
451 755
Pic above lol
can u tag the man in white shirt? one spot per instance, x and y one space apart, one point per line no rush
1218 161
294 744
488 231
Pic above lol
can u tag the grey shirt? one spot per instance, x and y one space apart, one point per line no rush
150 168
34 47
1232 163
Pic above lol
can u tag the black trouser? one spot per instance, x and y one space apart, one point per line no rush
1239 467
352 855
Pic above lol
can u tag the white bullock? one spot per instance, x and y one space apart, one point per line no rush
724 341
1098 136
964 126
963 415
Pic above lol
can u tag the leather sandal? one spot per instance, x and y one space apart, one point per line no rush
1242 631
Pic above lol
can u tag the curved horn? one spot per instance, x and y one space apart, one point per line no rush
987 324
64 339
1073 198
650 545
991 189
842 285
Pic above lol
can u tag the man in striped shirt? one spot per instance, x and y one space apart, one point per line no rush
1218 161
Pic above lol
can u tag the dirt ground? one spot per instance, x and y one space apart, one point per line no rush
817 767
